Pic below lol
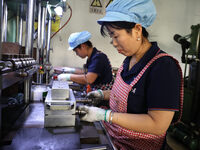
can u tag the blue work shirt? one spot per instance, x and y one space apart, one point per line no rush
158 88
99 63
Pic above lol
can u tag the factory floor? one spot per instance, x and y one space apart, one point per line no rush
31 135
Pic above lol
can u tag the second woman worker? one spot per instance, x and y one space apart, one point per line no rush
97 71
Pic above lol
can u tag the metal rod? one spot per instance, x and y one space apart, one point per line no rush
39 45
43 33
1 19
82 100
20 35
4 23
48 38
2 2
29 27
95 148
39 33
29 44
109 138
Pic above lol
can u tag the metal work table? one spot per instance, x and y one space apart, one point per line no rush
29 133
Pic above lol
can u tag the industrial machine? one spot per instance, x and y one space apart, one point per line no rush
60 106
16 70
23 63
188 130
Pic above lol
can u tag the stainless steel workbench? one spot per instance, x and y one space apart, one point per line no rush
29 133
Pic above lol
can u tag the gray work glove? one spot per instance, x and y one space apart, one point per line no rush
94 114
96 96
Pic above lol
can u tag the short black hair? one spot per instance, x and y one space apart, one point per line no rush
121 25
88 43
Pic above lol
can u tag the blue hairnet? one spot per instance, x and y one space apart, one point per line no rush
78 38
138 11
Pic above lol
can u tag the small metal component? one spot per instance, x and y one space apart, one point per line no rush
95 148
80 112
83 100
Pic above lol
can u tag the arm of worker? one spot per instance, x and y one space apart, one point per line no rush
155 122
79 78
68 70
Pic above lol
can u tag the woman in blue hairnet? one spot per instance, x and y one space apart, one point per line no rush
148 89
97 71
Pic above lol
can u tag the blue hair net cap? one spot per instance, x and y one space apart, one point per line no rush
138 11
78 38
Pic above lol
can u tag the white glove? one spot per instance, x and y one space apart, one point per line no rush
94 114
64 77
69 70
97 94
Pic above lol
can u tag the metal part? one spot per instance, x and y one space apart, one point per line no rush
59 112
60 90
4 23
29 27
39 79
79 112
83 100
95 148
29 44
48 37
43 32
20 34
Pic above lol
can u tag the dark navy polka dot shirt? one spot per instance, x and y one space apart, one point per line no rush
158 88
100 64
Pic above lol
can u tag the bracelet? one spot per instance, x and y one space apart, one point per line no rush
105 115
111 117
101 93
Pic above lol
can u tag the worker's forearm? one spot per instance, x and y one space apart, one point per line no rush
144 123
78 78
79 71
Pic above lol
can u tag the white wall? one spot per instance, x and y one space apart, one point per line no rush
173 17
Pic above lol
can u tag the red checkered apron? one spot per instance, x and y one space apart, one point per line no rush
128 139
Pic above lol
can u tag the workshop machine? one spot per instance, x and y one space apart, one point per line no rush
60 105
188 130
16 70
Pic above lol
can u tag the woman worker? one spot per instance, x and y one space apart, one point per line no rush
97 71
148 89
